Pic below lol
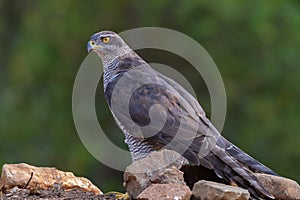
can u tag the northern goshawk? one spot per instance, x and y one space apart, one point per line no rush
185 127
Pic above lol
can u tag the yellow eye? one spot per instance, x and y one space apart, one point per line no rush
105 39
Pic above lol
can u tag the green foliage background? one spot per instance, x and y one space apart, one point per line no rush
255 44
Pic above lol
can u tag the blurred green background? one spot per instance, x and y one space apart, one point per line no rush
255 44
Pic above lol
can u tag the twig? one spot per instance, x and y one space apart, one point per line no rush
28 180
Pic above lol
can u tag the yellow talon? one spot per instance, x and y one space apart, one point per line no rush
119 195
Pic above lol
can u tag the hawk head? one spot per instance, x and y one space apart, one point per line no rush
108 45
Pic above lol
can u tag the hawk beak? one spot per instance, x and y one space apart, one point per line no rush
91 46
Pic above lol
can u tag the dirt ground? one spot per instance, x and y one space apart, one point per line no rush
53 193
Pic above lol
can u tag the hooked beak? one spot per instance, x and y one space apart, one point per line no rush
91 46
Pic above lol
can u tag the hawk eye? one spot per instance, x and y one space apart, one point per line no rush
105 39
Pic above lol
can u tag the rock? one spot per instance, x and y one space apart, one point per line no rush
157 167
170 191
280 187
168 175
206 190
24 175
136 183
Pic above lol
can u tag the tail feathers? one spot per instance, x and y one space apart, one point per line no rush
243 157
236 172
233 165
248 161
225 172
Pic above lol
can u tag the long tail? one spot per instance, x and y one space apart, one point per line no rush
244 158
235 166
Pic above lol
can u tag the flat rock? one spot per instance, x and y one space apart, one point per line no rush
23 175
207 190
280 187
157 167
158 160
170 191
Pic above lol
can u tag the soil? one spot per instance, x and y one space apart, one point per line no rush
57 193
